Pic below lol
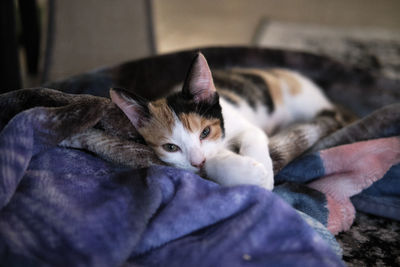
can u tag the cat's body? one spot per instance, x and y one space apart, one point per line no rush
197 128
281 97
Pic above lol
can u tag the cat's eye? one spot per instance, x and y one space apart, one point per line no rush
205 133
170 147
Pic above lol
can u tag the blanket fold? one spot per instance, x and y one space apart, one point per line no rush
35 130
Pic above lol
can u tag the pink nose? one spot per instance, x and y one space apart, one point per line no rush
198 165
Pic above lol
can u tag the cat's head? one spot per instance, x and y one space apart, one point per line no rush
185 128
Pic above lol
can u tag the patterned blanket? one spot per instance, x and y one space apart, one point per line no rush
112 203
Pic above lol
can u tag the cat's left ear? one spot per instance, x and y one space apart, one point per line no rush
134 108
199 84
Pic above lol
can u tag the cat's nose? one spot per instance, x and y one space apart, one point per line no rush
199 165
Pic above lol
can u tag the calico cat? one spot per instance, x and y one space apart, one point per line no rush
218 126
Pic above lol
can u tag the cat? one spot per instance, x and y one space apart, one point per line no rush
217 125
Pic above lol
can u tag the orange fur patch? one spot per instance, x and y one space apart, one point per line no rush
271 80
195 123
274 86
160 124
290 79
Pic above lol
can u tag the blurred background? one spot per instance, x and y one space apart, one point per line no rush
46 40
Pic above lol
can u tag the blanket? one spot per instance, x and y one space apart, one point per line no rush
66 207
112 203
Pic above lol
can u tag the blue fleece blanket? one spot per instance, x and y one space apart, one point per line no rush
66 207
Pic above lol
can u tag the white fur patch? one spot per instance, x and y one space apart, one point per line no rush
192 150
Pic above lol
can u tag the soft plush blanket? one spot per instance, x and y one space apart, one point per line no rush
65 207
111 202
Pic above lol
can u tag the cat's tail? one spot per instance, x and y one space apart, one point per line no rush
293 141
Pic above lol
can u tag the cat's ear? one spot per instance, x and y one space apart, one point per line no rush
199 84
134 108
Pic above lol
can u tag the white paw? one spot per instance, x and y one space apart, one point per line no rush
240 170
253 172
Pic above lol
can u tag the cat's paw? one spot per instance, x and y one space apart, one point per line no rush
240 170
256 173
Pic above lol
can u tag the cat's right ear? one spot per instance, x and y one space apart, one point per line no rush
199 84
134 108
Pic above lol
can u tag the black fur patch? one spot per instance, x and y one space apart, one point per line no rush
327 113
250 87
263 87
210 110
235 83
225 94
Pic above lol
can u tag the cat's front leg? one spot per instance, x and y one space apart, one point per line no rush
228 168
253 142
